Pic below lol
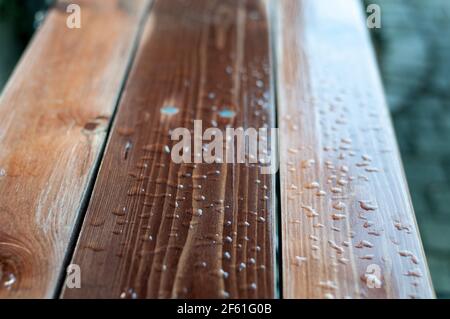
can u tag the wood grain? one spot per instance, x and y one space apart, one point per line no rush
54 113
346 210
156 229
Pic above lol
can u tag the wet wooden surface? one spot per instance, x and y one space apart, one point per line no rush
53 118
348 225
156 229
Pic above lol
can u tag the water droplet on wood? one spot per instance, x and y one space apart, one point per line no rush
169 110
367 205
227 113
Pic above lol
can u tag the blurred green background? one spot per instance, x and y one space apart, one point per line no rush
413 49
18 20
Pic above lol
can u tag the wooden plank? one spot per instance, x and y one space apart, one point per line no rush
54 113
156 229
346 210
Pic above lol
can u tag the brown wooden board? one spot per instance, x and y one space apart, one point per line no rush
156 229
348 226
54 113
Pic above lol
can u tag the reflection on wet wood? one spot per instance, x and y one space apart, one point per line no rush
53 116
157 229
348 227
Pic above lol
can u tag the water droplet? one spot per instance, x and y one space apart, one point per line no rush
228 239
299 260
367 205
312 185
344 168
407 253
321 193
198 212
414 273
364 243
227 113
362 164
214 172
336 190
338 216
199 177
169 110
136 191
10 280
339 206
328 284
329 165
199 198
372 280
368 224
346 140
401 227
227 255
2 172
128 146
242 266
414 259
120 211
308 163
129 294
225 294
343 261
310 212
223 273
333 245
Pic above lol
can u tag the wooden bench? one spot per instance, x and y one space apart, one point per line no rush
86 178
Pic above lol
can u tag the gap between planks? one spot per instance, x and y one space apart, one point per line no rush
88 193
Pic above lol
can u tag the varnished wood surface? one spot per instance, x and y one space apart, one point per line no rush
53 115
346 208
156 229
